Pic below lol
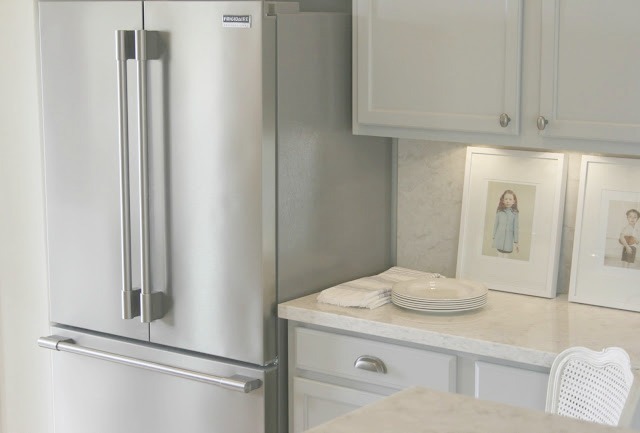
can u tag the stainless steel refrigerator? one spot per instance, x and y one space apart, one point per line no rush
199 169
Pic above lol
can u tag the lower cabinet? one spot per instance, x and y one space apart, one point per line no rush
334 372
316 402
511 385
331 374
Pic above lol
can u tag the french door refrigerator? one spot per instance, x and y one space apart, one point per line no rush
199 169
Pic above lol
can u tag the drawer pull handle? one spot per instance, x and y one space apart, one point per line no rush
370 363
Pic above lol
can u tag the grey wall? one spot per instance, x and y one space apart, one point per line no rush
429 194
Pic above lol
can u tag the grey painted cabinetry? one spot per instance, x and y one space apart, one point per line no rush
589 65
542 73
436 65
333 372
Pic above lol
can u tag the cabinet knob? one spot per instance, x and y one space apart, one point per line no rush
370 363
504 120
542 123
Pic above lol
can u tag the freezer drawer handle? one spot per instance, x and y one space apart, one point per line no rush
235 383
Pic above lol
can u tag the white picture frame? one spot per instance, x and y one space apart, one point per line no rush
487 228
601 274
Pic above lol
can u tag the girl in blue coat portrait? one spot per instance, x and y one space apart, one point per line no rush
506 226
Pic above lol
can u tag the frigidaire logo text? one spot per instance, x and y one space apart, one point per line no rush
237 19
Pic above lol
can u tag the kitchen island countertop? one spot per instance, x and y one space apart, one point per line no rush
419 410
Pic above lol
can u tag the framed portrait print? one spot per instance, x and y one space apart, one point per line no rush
605 269
511 220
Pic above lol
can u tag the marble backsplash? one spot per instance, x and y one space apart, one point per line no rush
429 195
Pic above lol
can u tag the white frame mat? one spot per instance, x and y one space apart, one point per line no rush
609 188
538 181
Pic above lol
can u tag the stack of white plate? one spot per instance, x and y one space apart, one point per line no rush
439 294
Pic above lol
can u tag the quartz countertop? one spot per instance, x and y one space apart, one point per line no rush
419 410
513 327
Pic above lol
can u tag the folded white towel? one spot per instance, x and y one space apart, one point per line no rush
370 292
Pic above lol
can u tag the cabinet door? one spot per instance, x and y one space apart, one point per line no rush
317 402
511 385
590 68
439 64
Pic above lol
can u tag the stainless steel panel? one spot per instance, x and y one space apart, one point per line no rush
334 188
207 159
93 395
80 115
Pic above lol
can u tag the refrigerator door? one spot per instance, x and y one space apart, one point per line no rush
81 147
101 396
213 176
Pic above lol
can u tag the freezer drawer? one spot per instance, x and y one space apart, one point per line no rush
102 396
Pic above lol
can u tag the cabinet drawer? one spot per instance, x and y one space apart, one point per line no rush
336 355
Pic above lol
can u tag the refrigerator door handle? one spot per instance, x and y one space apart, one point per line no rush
236 383
147 47
125 50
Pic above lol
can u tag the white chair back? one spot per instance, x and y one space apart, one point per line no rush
590 385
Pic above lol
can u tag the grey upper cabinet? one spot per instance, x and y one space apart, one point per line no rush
589 85
550 74
450 65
